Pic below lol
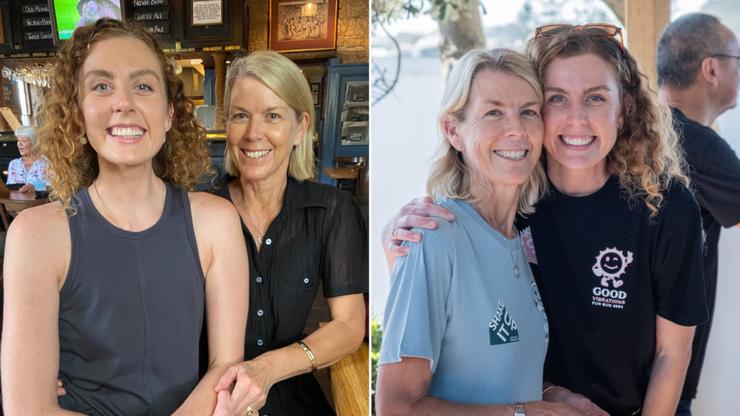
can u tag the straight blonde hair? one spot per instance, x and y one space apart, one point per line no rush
449 177
284 78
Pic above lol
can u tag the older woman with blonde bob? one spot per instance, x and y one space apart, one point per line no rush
464 328
107 287
299 234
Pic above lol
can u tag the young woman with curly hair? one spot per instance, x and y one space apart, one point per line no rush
616 245
106 288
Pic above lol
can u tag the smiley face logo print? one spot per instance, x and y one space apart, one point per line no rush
611 264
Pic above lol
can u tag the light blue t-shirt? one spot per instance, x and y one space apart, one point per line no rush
455 300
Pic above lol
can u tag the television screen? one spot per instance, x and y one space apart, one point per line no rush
71 14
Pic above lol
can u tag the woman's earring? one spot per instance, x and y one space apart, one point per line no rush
83 138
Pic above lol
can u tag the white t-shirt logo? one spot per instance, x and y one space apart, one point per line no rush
610 265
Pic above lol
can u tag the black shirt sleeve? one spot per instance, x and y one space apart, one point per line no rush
715 173
344 259
678 261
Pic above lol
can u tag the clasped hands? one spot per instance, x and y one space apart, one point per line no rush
252 381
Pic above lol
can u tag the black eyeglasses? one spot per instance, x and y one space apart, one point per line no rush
723 55
598 30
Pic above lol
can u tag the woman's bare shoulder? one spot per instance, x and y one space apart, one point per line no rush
38 240
43 221
209 206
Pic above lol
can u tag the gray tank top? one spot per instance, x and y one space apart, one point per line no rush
131 312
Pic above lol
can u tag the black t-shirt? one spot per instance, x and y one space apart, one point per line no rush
605 269
715 174
318 236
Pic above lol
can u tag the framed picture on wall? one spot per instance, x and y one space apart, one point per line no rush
207 12
303 25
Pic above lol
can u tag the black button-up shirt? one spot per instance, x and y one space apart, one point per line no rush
318 236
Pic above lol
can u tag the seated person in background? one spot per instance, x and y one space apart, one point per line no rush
30 168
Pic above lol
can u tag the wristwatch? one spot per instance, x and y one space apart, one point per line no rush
519 410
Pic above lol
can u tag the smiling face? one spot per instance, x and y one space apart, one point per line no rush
501 135
582 112
611 263
261 130
123 101
24 145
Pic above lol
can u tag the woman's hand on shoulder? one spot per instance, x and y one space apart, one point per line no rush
252 382
417 213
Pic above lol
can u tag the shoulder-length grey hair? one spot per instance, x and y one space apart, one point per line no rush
285 79
449 177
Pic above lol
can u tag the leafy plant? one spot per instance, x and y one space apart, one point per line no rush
376 337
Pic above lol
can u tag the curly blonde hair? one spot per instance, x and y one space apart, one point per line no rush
183 159
646 157
449 176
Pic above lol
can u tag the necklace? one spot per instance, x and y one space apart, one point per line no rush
241 207
105 207
514 253
250 223
110 215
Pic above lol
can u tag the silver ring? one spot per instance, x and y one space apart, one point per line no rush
395 233
250 411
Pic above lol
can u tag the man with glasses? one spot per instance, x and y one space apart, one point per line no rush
699 73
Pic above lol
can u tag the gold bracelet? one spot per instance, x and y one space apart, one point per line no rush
309 353
552 386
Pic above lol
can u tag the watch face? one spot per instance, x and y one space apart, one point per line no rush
519 410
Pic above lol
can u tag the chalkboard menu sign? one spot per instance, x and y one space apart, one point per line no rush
36 32
184 26
181 26
153 15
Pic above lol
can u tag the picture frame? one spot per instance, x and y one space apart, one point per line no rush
302 25
355 116
206 12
